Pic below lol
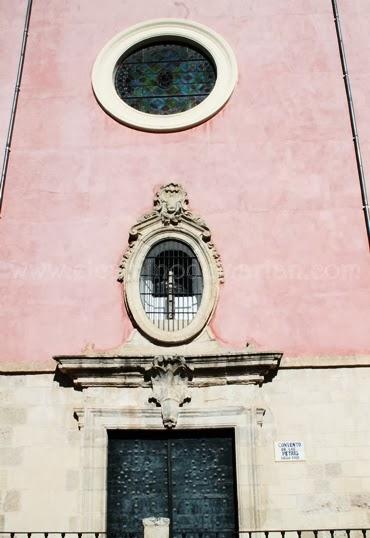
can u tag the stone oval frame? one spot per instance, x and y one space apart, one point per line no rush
210 287
156 30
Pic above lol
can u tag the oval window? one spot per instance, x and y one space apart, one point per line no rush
171 285
165 78
164 75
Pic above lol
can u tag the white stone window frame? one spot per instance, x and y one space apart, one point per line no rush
210 286
184 31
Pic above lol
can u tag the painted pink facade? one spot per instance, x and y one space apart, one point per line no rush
273 174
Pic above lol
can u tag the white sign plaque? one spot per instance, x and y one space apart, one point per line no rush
289 451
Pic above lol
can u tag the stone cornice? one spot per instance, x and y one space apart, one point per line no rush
208 370
286 363
325 362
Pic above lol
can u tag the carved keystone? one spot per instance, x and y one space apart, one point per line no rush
169 377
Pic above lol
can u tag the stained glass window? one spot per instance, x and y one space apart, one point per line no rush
165 78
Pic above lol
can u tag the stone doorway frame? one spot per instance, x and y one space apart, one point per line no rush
96 422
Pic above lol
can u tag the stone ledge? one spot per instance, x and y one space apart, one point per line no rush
325 361
286 363
208 370
210 362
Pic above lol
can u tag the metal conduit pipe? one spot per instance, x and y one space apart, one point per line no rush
15 102
351 109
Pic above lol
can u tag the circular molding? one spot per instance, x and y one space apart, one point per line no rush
210 287
155 30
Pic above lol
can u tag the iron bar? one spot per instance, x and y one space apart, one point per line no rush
171 285
15 103
169 481
351 109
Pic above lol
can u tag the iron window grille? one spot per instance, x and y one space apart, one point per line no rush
171 285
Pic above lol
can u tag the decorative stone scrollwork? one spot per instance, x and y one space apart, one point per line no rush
171 203
170 210
169 377
170 220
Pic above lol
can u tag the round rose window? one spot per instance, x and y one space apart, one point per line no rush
164 75
164 78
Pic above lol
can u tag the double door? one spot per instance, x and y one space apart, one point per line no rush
186 476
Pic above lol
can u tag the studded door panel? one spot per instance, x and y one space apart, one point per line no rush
137 483
203 493
186 476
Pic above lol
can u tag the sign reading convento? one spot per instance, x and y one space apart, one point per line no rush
289 451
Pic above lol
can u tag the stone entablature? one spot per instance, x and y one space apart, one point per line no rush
211 363
170 373
208 370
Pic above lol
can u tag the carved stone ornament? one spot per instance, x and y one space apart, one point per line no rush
170 220
169 378
138 363
170 210
133 363
169 363
171 203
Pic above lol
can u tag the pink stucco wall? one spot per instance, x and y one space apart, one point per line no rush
273 174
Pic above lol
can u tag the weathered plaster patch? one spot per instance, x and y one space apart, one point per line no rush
11 456
12 501
361 501
12 416
333 469
6 435
72 479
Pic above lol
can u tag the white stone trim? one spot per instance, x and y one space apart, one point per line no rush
129 365
170 219
210 287
304 363
217 48
97 422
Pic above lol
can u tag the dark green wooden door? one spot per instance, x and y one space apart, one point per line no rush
187 476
